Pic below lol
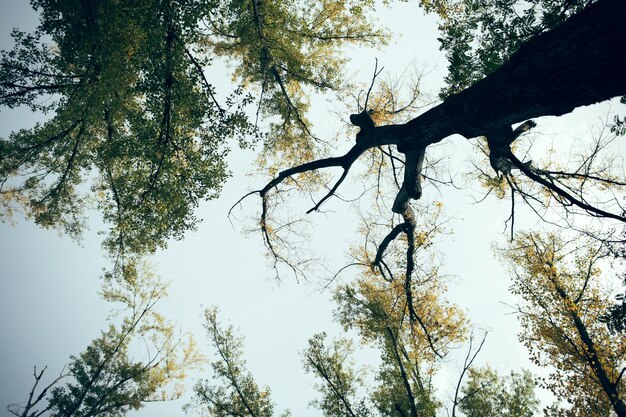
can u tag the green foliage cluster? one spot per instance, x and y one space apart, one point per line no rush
564 296
288 49
140 357
339 380
132 111
375 307
236 393
343 388
487 394
129 110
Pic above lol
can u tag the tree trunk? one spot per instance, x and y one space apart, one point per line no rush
591 354
578 63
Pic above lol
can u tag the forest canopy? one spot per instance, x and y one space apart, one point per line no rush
138 126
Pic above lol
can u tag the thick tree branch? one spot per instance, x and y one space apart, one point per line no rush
572 65
380 252
412 185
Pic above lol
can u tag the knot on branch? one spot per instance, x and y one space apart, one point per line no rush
364 121
500 140
412 185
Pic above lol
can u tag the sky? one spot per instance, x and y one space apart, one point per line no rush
49 303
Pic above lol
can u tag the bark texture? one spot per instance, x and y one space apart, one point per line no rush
580 62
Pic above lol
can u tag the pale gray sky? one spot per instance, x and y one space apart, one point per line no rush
49 307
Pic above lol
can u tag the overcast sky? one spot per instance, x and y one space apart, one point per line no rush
50 309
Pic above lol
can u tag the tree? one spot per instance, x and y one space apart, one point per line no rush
526 83
535 80
480 36
411 344
106 379
410 354
529 79
487 394
564 295
377 310
397 304
125 86
237 393
124 79
339 380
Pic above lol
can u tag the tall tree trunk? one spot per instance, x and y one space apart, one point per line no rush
591 353
578 63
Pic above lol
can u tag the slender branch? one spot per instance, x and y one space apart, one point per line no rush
344 162
232 377
403 374
339 272
409 220
325 375
25 89
619 377
380 252
376 74
68 168
512 215
25 412
331 192
266 64
562 193
469 359
209 87
583 177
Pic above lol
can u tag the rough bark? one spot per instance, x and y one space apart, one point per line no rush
578 63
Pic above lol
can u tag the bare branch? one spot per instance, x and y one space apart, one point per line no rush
25 411
594 211
467 363
376 74
331 192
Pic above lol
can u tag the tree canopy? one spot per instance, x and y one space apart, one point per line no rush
107 379
134 114
139 124
564 299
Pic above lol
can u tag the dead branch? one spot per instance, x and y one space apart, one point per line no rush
28 409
